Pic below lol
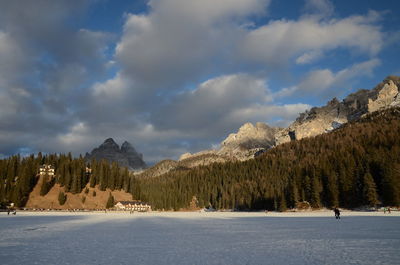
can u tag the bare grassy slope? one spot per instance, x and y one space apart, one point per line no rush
74 201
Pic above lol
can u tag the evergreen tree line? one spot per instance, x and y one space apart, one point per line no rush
19 175
356 165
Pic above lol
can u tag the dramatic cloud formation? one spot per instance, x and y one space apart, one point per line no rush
180 41
279 41
43 66
176 75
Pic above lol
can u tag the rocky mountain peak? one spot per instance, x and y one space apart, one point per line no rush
248 126
109 143
248 132
127 147
248 140
126 156
242 145
333 102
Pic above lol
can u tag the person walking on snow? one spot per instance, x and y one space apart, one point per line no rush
337 213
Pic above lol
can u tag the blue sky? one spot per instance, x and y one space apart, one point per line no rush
176 76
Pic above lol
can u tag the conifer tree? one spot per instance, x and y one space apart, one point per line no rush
369 191
332 190
391 185
315 193
62 198
294 194
282 204
110 201
46 185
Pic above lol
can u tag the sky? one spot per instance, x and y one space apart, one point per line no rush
177 76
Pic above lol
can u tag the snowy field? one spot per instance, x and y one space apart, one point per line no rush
200 238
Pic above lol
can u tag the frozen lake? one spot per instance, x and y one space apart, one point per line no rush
198 238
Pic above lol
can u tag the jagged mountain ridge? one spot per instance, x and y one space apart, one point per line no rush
320 120
126 156
241 145
250 139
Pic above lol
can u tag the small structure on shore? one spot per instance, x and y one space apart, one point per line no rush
133 206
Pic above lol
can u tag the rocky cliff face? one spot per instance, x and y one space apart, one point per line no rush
324 119
126 156
237 146
248 140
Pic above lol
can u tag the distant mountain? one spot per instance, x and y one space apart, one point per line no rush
126 156
320 120
239 146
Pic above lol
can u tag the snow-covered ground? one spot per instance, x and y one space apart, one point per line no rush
200 238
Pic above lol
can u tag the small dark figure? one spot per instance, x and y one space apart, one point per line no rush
8 212
337 213
389 211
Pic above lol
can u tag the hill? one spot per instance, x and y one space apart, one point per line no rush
88 198
87 185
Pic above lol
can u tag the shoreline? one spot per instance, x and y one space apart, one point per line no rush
201 214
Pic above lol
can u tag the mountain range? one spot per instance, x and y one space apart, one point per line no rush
251 140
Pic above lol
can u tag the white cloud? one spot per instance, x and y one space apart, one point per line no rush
320 81
309 57
208 11
277 115
181 41
322 8
44 66
75 136
12 59
112 89
211 102
280 40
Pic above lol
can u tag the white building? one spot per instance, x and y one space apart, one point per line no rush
133 206
46 169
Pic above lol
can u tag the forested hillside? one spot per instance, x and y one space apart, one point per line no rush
19 176
356 165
